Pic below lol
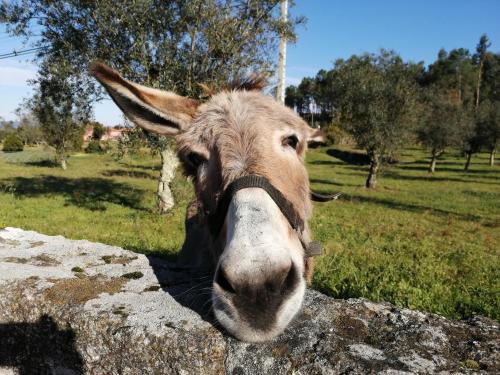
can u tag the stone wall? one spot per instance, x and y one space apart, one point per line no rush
71 307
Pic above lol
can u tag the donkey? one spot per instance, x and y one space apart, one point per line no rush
245 154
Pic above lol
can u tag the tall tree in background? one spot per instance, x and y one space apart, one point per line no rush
448 103
489 108
376 97
6 127
479 58
60 109
475 139
441 125
487 129
452 75
170 45
29 129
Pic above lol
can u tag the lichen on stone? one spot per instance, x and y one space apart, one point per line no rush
115 259
133 275
81 290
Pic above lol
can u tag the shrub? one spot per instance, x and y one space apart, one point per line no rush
97 131
12 143
335 135
94 147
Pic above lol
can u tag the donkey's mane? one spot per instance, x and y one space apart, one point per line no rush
252 82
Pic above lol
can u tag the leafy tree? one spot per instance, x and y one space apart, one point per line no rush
488 113
29 129
60 109
442 124
487 131
475 139
163 44
452 75
376 97
6 128
479 58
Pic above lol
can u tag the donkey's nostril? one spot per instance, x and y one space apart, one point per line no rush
223 282
291 280
281 282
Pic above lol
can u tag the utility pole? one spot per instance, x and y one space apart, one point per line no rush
280 90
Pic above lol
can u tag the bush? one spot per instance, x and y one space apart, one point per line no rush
94 147
335 135
12 143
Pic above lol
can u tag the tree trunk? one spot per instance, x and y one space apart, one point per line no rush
169 163
61 159
371 182
280 89
492 157
432 166
192 35
467 161
478 85
435 155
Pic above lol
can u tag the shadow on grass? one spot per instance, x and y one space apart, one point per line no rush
89 193
459 169
324 162
349 157
411 207
39 348
126 173
325 182
143 167
42 163
435 178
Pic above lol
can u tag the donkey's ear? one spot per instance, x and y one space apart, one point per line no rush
316 136
154 110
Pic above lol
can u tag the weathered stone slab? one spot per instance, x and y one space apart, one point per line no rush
71 307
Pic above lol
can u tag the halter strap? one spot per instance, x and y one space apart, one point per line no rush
216 220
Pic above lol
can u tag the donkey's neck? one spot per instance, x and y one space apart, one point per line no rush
196 252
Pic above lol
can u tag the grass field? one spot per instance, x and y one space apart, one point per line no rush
430 242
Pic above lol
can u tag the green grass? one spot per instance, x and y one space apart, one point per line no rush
422 241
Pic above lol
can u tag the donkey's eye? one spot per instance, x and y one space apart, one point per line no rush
291 141
195 159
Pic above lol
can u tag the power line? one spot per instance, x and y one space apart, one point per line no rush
21 52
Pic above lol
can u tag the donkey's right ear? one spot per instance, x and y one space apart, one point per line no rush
157 111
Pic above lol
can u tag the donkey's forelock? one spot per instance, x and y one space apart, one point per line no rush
253 82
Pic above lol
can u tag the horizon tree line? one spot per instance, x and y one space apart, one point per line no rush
383 103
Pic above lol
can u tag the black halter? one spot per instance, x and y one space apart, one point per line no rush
216 220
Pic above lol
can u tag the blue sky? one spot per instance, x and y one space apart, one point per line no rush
415 29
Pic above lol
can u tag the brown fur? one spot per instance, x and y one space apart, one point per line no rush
237 132
233 131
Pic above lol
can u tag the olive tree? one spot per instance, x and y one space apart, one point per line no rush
172 45
442 123
375 99
60 110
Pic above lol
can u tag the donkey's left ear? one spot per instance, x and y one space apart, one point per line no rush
316 136
157 111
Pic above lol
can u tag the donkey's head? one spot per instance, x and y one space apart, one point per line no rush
258 224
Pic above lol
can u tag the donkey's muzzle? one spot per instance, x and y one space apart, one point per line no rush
258 302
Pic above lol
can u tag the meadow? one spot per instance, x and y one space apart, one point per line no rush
428 242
